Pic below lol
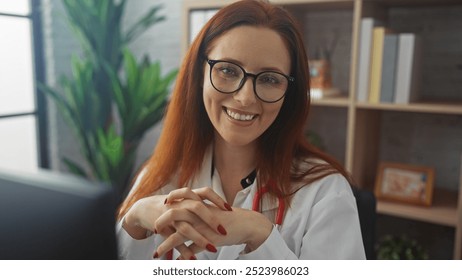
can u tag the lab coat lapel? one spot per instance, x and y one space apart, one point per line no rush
203 179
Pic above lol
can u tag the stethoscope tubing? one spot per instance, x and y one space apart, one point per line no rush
281 207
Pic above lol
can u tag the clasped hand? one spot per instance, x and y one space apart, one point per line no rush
199 218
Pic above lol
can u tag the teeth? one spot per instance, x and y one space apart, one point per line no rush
239 117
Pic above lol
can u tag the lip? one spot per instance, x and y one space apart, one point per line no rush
239 122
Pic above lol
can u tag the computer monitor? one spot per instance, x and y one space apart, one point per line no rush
52 216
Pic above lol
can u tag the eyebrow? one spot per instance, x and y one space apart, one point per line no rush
263 69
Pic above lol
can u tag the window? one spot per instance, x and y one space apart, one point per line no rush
19 71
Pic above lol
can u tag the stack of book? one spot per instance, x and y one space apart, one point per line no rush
389 64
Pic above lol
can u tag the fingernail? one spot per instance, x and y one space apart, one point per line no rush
211 248
228 207
155 231
221 230
165 201
156 255
193 257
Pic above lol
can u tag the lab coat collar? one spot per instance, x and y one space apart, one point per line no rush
244 198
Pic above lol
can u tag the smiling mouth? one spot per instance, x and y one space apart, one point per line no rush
237 116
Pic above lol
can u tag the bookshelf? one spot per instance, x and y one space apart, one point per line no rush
362 134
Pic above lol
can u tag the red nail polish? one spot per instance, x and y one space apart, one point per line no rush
211 248
221 230
155 231
228 207
193 258
169 255
165 201
156 255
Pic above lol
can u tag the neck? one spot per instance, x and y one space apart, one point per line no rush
233 163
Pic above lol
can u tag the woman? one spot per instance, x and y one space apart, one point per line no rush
235 127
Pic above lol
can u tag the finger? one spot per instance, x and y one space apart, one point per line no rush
194 248
198 194
190 211
180 194
172 240
185 232
192 233
185 252
209 194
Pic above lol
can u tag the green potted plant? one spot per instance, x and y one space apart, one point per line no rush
110 100
400 248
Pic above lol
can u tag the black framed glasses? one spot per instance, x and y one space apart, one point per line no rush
228 77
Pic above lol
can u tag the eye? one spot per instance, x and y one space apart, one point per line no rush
227 70
270 78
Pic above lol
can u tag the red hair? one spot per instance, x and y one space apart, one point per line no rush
188 132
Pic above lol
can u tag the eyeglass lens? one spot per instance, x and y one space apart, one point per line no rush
228 77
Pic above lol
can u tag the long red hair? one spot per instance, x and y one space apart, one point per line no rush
188 132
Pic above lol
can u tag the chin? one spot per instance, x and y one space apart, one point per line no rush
236 140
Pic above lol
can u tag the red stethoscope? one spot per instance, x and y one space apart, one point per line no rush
281 207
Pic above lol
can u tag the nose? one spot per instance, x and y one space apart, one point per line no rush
246 95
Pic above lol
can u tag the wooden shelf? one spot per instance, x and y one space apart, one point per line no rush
311 2
415 3
206 4
315 5
443 210
332 102
434 108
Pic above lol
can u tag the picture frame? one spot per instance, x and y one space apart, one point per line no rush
405 183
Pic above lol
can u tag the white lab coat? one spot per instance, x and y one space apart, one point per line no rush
322 223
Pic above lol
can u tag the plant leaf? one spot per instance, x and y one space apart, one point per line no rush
74 167
149 19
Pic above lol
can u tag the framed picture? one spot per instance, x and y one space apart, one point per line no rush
405 183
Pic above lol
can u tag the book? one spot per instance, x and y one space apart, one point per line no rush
378 38
408 68
390 54
364 58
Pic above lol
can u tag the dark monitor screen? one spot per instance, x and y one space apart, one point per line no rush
46 215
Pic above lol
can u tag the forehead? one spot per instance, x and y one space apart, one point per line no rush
253 47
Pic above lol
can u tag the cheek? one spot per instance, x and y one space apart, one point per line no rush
207 90
206 94
211 100
272 110
205 80
207 101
